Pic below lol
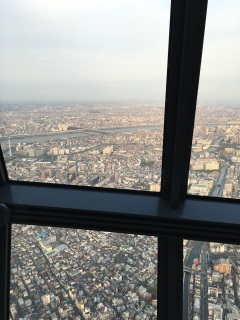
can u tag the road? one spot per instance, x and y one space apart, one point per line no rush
218 191
204 281
187 314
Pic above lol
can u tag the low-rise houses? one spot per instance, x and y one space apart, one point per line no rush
90 275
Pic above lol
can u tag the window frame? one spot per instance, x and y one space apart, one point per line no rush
172 215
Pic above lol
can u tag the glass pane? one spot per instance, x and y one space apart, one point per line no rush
211 281
82 90
215 160
59 273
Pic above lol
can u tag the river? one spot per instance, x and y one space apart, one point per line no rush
86 132
74 134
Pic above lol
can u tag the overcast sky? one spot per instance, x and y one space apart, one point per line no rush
220 71
107 49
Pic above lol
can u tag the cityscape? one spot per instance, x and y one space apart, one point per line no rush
211 281
82 100
98 145
118 145
59 273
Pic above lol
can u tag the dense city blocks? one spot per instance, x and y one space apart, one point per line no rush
59 273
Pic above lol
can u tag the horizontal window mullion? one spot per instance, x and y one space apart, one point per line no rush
123 212
85 220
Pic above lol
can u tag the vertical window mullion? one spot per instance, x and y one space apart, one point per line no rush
185 51
175 278
172 88
3 169
5 236
162 278
170 266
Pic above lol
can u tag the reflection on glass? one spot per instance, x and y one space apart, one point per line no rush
59 273
215 159
82 89
211 281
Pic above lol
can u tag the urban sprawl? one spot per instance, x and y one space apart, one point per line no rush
59 273
118 146
76 274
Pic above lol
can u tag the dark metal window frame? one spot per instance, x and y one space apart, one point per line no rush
171 215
